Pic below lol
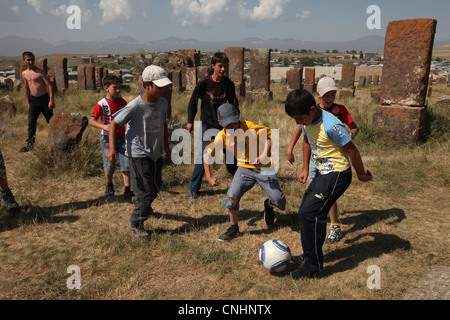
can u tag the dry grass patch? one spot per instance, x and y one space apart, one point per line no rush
397 222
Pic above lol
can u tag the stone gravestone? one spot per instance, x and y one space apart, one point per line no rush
404 82
81 71
348 81
65 134
310 81
259 75
236 69
294 78
7 103
90 78
61 74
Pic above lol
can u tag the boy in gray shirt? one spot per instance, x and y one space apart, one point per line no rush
146 141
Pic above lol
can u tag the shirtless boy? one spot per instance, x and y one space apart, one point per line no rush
39 95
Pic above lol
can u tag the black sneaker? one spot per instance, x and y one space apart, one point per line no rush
268 213
193 194
231 233
128 194
298 259
28 147
9 201
139 232
109 190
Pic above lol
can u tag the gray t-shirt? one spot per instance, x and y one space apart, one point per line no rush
145 127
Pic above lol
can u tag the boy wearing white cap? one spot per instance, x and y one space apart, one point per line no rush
251 146
326 93
146 141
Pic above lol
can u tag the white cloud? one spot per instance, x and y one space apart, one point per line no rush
41 6
51 7
266 10
200 12
305 14
119 10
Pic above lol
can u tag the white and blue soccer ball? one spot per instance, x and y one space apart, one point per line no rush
275 255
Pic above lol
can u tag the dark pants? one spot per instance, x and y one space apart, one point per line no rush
199 170
323 191
38 105
146 181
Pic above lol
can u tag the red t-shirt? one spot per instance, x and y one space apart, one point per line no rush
105 109
340 112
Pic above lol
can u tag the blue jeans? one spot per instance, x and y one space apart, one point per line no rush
199 170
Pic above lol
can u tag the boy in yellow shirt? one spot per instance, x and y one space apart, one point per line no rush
251 145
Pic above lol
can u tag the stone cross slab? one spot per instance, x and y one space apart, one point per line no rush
404 82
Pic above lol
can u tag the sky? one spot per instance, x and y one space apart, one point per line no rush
214 20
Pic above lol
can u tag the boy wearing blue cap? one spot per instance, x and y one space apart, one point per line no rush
251 146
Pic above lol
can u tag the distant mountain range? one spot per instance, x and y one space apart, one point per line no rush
14 46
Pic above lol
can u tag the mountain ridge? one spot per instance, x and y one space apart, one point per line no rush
15 45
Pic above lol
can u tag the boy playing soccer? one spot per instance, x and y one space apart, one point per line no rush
146 140
104 109
326 92
252 150
39 95
326 140
214 90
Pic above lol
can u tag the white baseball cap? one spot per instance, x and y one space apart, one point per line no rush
157 75
325 85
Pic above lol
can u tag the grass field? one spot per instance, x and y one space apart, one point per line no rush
398 222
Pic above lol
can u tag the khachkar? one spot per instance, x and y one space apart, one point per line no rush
259 75
404 82
236 69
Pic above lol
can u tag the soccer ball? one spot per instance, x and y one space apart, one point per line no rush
275 255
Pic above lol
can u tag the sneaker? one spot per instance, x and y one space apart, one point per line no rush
28 147
128 194
109 190
139 232
302 273
9 201
268 213
335 234
298 259
231 233
193 194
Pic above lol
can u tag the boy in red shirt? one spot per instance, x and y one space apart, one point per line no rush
104 109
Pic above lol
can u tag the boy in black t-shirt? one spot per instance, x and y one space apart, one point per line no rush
214 90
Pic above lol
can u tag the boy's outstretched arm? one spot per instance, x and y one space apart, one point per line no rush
295 137
303 176
212 181
355 158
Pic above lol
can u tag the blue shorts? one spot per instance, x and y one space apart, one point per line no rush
245 178
110 167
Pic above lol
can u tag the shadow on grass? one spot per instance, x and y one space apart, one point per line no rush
356 251
206 221
35 214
